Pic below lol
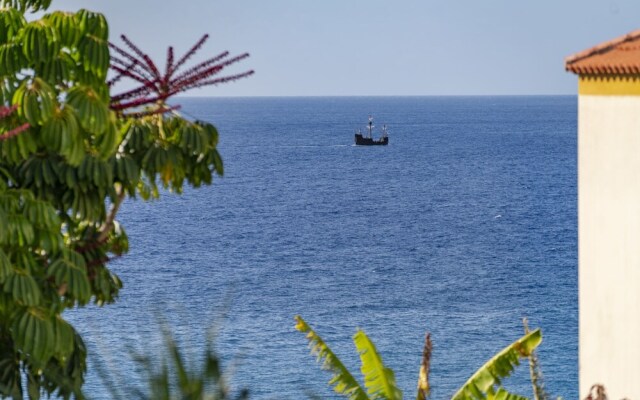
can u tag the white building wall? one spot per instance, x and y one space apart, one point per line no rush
609 243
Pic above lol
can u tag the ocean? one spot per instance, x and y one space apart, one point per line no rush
462 226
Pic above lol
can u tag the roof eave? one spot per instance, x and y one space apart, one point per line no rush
599 49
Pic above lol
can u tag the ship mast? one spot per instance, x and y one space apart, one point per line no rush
370 127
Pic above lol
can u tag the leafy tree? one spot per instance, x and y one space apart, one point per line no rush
379 380
71 151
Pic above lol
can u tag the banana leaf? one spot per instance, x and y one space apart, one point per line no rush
502 394
498 367
342 381
378 379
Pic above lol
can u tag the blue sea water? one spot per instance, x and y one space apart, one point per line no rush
462 226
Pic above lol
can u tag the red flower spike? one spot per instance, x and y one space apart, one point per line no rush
132 46
129 68
195 69
6 111
155 87
192 51
14 132
225 79
129 74
169 61
139 91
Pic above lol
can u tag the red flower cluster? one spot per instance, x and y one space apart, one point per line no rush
5 112
155 87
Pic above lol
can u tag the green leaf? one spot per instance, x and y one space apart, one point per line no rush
34 335
502 394
24 5
342 381
40 42
50 242
4 221
92 23
498 367
64 338
41 213
33 388
61 131
94 55
70 272
91 110
58 70
5 266
10 376
378 379
36 101
24 288
11 21
66 27
217 162
11 59
106 286
107 143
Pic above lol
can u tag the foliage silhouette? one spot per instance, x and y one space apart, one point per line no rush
173 376
70 154
485 383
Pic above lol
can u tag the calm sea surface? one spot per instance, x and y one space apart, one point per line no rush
463 225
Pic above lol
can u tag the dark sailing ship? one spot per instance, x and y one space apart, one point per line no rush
362 140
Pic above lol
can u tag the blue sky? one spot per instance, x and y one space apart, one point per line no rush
377 47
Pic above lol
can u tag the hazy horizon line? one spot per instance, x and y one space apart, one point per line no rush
375 95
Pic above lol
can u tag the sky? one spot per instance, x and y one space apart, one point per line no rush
376 47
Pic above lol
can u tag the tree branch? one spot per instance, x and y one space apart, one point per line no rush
108 223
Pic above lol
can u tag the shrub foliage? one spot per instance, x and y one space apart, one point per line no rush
70 153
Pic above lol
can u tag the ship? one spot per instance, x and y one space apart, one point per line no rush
362 140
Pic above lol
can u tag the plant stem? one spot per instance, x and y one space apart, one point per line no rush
111 217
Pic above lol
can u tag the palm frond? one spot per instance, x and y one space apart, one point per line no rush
378 379
342 381
498 367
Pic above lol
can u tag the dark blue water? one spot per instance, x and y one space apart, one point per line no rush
463 225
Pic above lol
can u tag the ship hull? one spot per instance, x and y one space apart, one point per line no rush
365 141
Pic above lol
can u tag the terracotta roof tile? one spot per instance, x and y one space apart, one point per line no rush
620 56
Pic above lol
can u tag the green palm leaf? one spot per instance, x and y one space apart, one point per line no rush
342 381
378 379
500 366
